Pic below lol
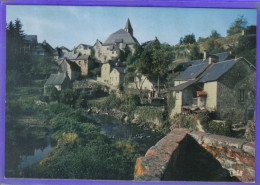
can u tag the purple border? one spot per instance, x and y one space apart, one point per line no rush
163 3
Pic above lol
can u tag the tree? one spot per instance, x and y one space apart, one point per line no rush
189 39
53 93
195 52
215 34
181 40
237 26
67 97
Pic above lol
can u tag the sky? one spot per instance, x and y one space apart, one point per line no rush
70 26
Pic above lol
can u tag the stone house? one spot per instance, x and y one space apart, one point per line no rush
84 62
60 81
219 86
117 76
70 68
83 49
116 45
112 73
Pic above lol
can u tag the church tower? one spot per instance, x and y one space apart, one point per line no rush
128 27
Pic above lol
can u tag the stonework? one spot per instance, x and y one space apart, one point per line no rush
226 159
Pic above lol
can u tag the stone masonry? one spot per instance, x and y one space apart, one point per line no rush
186 155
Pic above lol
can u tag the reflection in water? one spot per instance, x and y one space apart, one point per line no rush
29 150
38 153
119 130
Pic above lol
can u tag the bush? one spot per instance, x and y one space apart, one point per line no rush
182 121
220 128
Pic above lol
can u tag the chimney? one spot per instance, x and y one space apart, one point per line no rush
205 55
230 52
236 57
213 59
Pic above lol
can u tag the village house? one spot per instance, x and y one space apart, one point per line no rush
70 68
116 45
42 49
30 41
217 85
60 81
112 73
84 62
83 49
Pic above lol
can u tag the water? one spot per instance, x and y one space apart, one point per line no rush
38 154
119 130
31 150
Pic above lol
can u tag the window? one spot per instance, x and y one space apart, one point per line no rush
242 95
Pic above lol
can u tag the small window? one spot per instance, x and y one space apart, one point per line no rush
241 95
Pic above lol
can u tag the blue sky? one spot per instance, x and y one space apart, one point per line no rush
71 25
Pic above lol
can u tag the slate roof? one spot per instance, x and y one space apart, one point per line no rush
56 79
70 55
31 39
120 34
63 47
83 57
128 24
217 70
192 72
183 85
73 65
120 69
221 57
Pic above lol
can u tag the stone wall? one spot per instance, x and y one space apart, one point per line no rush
185 155
240 77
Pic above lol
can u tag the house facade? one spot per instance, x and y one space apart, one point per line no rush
60 81
84 62
70 68
219 86
112 73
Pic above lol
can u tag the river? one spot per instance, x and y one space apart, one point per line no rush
30 151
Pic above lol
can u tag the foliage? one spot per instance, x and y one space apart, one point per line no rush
188 39
53 93
215 127
247 47
214 34
237 26
220 128
82 152
195 52
182 121
154 61
214 47
67 97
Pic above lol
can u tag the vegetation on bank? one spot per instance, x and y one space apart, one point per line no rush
82 152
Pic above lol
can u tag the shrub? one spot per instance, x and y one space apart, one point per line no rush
182 121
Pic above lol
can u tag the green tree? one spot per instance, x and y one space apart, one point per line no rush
215 34
189 39
237 26
195 52
53 93
67 97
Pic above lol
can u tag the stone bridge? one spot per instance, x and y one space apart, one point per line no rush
185 155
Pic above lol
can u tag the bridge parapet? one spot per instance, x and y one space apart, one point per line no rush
186 155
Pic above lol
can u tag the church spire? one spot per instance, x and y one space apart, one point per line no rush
128 27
